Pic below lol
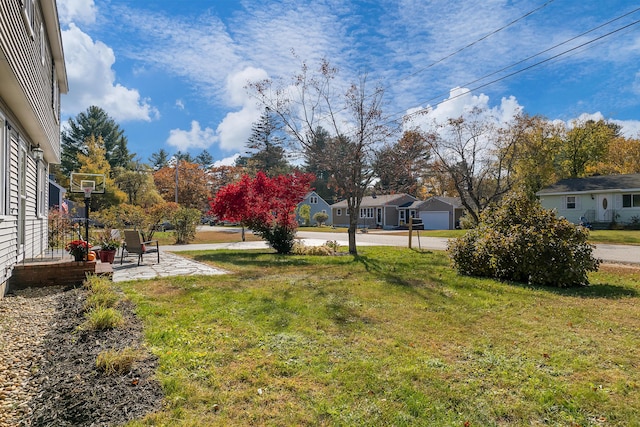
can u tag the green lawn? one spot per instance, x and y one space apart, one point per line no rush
391 337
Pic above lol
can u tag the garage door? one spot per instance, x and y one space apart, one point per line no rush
435 220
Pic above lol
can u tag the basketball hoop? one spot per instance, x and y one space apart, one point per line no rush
87 192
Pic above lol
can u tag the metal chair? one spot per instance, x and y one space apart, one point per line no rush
133 244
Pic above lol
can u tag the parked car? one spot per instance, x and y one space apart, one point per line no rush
164 226
92 223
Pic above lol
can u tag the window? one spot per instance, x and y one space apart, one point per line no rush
313 200
43 45
402 215
366 212
27 15
338 212
56 93
3 162
571 202
41 185
631 200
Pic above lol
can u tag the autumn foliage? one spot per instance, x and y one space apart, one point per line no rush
265 205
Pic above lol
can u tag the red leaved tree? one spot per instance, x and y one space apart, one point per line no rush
265 205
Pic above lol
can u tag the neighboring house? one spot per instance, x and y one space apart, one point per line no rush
595 198
57 194
317 204
32 77
385 211
440 213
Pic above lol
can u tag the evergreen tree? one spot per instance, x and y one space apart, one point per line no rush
95 121
314 156
159 160
266 147
204 158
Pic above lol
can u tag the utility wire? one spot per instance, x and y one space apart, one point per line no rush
486 36
522 69
543 52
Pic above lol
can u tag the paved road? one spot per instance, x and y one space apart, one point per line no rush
626 254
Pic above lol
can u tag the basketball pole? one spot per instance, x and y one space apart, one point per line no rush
87 208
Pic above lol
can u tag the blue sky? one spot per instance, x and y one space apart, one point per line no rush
172 73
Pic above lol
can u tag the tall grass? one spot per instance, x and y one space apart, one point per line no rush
390 337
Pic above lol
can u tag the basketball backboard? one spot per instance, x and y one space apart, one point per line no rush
82 182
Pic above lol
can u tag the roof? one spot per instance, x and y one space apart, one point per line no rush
372 201
456 202
594 184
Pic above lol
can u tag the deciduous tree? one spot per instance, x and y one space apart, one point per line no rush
400 166
265 205
353 116
189 180
477 157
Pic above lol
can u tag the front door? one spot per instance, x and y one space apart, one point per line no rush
379 216
605 204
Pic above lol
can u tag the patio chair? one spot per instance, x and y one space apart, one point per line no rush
133 244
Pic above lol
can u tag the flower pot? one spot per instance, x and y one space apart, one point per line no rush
78 257
107 256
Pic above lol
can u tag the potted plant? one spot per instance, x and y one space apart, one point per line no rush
77 249
109 242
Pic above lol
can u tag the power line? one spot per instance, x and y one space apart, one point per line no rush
525 68
542 52
486 36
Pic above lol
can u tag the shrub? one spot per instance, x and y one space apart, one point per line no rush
186 220
301 249
101 292
116 361
320 217
523 242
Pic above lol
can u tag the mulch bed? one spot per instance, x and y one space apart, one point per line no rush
73 392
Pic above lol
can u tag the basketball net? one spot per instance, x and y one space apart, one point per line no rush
87 192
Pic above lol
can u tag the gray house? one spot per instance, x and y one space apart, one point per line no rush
441 213
385 211
317 204
32 77
595 198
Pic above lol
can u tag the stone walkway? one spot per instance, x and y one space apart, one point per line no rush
170 265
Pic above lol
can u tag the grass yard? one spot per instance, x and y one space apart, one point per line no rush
216 235
391 337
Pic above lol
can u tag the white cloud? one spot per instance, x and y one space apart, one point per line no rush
78 11
196 137
628 128
180 104
460 102
235 128
92 80
227 161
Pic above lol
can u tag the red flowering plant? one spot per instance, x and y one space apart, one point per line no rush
77 248
265 205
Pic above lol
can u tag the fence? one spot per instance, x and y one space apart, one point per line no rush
46 240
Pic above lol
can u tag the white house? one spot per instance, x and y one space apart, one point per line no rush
604 198
32 77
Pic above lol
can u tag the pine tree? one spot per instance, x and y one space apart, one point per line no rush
266 147
95 121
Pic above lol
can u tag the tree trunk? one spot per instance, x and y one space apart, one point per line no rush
353 229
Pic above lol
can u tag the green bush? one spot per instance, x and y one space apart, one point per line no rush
320 217
186 221
523 242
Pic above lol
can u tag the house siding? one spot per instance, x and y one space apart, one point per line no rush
32 85
29 114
